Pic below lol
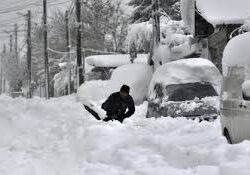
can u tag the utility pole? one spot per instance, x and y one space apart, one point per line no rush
29 53
68 50
2 77
46 56
16 43
11 41
156 28
1 74
79 44
156 23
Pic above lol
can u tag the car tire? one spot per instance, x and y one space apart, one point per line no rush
227 135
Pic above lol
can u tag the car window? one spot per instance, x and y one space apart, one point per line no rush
189 91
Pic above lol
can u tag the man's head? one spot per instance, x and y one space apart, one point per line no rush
124 91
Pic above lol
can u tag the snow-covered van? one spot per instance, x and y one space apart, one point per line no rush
185 88
235 90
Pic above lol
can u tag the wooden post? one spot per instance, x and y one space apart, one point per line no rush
11 43
29 54
16 43
68 51
46 57
156 30
79 44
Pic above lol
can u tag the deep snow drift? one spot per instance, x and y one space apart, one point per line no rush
57 137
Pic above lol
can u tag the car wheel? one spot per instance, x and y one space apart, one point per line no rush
226 134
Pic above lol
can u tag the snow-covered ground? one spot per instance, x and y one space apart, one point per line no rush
58 137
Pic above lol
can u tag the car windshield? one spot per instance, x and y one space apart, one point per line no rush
189 91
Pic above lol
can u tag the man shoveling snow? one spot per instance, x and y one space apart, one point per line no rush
118 106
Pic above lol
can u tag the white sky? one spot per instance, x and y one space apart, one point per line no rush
10 14
9 10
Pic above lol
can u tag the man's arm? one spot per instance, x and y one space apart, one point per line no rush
131 108
106 105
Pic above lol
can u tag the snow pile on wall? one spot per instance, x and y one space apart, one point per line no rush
237 53
137 76
114 60
185 71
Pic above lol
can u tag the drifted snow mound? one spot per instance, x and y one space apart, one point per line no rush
185 71
137 76
237 53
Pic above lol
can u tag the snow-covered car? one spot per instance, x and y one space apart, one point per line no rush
235 91
103 65
185 88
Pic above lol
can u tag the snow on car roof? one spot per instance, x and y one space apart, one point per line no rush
237 53
186 71
114 60
224 11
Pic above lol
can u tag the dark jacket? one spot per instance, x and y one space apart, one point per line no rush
116 107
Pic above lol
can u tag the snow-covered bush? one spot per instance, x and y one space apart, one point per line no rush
137 76
183 71
140 35
172 33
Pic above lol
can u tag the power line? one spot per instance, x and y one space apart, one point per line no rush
28 5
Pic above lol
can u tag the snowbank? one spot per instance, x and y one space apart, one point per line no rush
58 137
114 60
236 53
185 71
137 76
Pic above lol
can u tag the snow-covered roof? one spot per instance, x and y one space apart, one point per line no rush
224 11
114 60
216 12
